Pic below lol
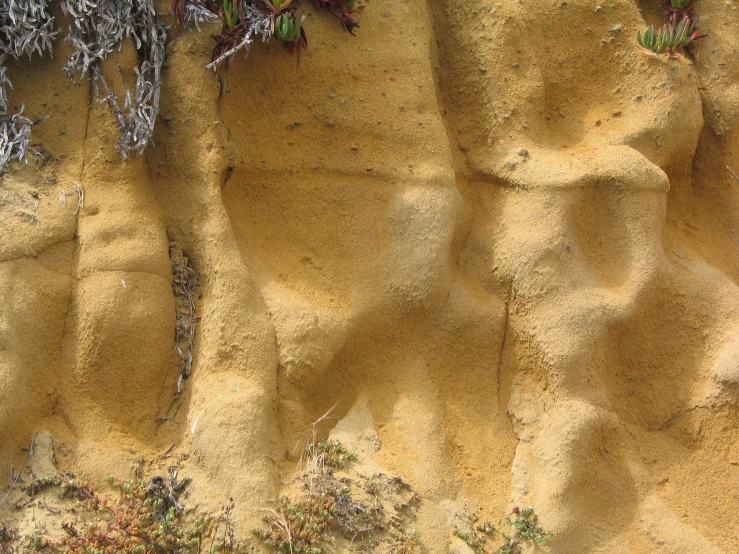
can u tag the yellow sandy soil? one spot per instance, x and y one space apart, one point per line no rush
499 235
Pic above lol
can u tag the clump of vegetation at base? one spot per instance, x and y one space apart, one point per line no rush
526 524
145 518
407 543
371 511
526 529
675 37
300 527
332 453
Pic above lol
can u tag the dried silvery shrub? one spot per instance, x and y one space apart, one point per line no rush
100 28
25 27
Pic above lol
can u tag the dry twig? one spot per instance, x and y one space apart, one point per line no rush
185 281
13 481
733 173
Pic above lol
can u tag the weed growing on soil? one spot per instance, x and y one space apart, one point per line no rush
223 538
335 504
478 543
332 453
301 526
525 526
144 518
406 543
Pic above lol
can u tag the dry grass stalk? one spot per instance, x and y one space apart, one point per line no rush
16 476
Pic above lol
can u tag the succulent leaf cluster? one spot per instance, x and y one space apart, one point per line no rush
231 14
526 529
244 20
289 26
675 37
671 36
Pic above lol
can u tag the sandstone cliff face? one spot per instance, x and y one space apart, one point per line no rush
503 239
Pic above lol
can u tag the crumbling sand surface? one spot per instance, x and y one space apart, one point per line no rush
501 237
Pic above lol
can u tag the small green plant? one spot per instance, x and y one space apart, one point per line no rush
289 26
672 37
676 37
525 526
231 15
332 452
478 543
37 541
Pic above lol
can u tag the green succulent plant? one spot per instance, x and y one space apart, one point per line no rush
231 14
288 26
526 530
671 36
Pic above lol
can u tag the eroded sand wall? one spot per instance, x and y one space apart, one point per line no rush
501 237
